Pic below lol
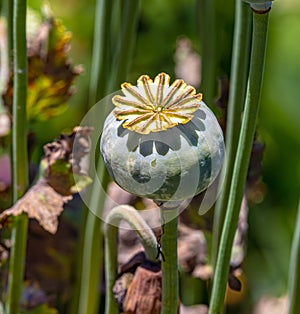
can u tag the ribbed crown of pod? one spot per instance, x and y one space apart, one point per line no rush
154 106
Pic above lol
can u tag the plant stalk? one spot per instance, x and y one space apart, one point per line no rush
19 156
146 235
238 86
100 59
92 253
170 286
259 39
294 271
92 261
86 297
127 37
208 32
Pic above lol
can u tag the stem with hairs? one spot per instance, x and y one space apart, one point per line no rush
238 85
19 157
146 235
294 271
259 39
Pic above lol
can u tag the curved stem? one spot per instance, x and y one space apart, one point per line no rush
294 271
19 156
170 263
146 235
260 26
238 84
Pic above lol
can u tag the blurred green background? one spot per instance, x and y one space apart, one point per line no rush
271 220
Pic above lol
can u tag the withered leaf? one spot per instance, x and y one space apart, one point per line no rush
64 162
50 73
40 202
44 201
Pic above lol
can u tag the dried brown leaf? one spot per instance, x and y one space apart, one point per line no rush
63 161
40 202
44 201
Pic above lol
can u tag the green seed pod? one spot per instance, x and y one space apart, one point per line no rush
161 141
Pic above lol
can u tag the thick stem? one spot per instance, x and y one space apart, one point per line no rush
294 271
19 156
238 84
170 287
260 26
146 235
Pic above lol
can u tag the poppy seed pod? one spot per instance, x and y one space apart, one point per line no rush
161 141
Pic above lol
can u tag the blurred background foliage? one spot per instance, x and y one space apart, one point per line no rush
272 217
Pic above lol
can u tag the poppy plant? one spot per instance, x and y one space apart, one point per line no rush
161 141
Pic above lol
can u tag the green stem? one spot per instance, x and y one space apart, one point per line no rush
170 263
294 271
19 156
74 302
91 267
146 235
238 84
260 26
92 254
92 261
121 61
90 258
100 65
208 19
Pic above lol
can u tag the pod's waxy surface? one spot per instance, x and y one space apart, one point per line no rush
161 141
